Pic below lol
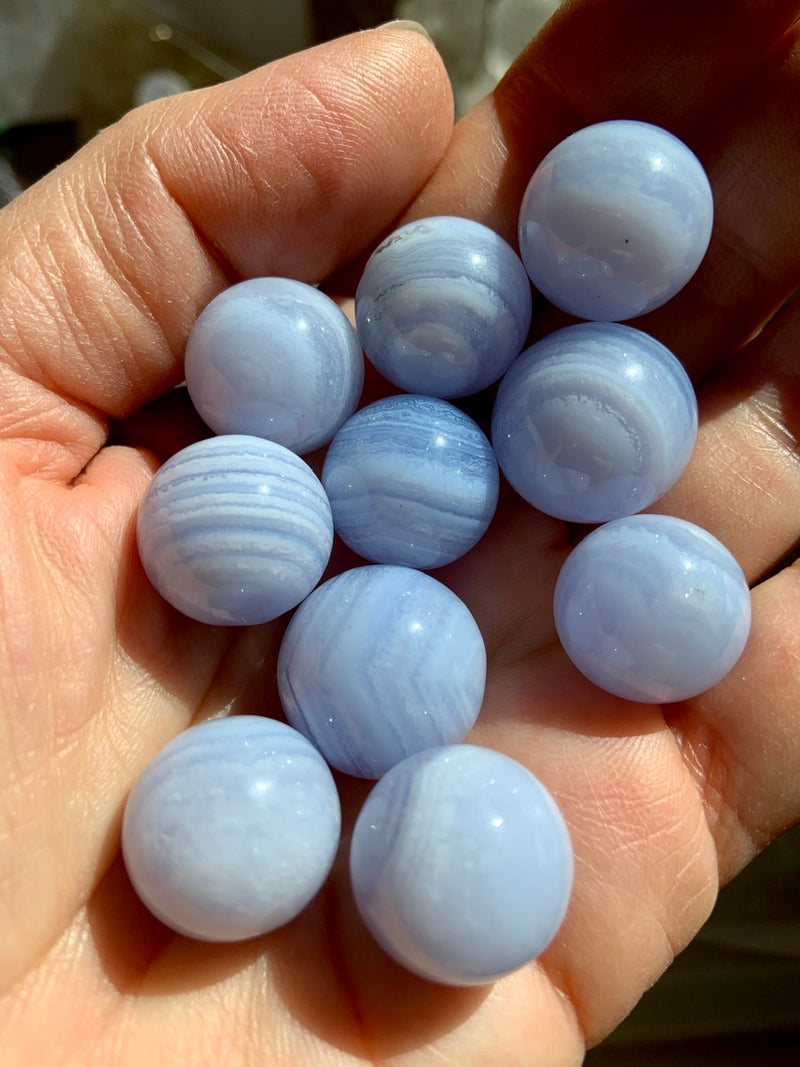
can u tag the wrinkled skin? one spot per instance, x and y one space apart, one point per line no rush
297 169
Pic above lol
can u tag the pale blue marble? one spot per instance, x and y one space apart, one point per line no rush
274 358
411 480
231 829
235 530
593 422
615 220
461 865
652 608
443 306
380 662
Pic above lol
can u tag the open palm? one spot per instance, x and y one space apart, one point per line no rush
296 170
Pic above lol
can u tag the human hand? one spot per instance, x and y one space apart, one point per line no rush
105 266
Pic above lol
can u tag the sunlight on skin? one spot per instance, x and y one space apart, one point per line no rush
297 169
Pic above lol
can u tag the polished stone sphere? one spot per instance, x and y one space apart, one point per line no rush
274 358
652 608
380 662
443 307
594 422
461 865
411 480
615 220
234 530
231 829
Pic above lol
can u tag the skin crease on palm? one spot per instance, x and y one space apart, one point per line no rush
297 169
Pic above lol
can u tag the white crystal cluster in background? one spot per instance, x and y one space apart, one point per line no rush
478 39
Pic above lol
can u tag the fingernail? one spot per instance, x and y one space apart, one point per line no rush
406 24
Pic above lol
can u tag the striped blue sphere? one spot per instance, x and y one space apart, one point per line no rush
411 480
652 608
380 662
274 358
594 422
234 530
231 829
443 307
461 865
615 220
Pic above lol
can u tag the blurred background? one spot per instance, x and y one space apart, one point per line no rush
69 68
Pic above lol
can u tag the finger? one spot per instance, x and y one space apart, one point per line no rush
740 740
737 108
595 60
289 170
743 480
752 155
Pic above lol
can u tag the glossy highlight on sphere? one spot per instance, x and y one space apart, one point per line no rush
615 220
380 662
411 480
234 530
594 422
274 358
652 608
461 865
231 829
443 307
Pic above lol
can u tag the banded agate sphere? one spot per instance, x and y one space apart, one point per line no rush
443 307
380 662
411 480
594 422
652 608
234 530
231 829
615 220
274 358
461 865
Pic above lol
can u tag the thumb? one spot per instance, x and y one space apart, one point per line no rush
292 169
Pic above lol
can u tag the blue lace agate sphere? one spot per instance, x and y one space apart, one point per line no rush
411 480
594 422
234 530
443 306
615 220
652 608
461 865
231 829
274 358
380 662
